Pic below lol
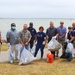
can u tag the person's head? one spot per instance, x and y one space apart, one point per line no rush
61 24
31 25
25 27
41 29
73 25
51 24
13 26
70 29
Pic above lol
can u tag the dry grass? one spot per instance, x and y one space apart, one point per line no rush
4 47
39 67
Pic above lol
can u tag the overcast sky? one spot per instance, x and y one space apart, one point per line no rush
37 8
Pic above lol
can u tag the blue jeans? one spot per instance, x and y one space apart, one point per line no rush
22 49
41 47
70 56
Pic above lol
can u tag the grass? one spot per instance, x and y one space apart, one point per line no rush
39 67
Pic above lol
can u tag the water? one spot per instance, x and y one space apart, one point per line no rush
5 24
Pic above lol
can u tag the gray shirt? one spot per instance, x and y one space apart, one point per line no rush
24 36
51 32
13 36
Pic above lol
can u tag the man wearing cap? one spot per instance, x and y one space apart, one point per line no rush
70 35
12 40
33 34
61 35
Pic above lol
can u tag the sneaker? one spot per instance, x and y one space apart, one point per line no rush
11 61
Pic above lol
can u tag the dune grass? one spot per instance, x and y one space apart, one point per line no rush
38 67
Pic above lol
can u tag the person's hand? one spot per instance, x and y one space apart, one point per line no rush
26 43
8 44
44 43
22 44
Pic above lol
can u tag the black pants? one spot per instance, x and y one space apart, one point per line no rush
31 43
53 52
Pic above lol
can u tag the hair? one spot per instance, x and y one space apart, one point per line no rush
13 24
41 27
31 23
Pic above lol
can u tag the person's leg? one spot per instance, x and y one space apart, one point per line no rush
53 52
21 49
16 52
42 52
70 57
11 57
31 43
36 50
27 47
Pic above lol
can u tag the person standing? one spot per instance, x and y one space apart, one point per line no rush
33 34
51 32
12 40
24 38
40 38
61 35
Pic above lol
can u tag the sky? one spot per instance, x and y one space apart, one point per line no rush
37 8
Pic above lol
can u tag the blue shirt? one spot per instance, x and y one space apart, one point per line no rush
40 37
33 32
69 34
61 31
74 31
13 36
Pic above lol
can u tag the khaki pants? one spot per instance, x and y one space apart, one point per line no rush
13 49
62 43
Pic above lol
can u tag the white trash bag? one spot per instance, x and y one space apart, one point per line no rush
54 45
26 57
70 48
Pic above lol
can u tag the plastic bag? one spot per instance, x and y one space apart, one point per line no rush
26 57
54 45
69 48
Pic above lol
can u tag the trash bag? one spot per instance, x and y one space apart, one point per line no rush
26 57
69 48
54 45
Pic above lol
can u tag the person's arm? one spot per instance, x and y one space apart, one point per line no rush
19 38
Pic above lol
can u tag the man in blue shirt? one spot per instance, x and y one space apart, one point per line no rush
33 33
12 40
61 35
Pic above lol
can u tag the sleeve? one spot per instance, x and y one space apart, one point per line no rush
29 35
8 35
35 31
19 37
47 31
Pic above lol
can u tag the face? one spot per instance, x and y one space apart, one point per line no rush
61 24
51 25
69 30
73 25
25 27
41 30
31 26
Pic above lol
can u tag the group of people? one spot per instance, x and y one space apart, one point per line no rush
29 36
